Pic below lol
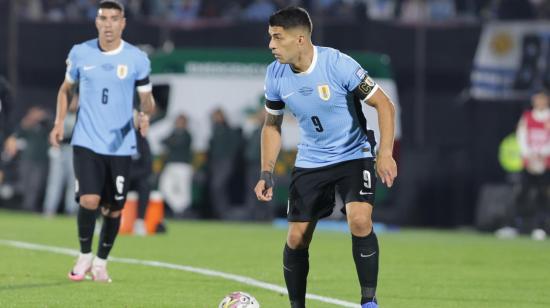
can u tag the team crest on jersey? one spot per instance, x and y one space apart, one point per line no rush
324 92
122 71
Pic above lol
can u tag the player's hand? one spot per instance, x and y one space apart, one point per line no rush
56 135
143 122
386 169
264 188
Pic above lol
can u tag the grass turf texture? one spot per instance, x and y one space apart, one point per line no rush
419 268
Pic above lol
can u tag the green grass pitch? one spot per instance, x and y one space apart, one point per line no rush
419 268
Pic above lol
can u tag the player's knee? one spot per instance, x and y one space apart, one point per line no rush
113 214
89 202
360 225
297 241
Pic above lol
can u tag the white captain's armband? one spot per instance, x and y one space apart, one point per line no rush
274 107
366 88
144 85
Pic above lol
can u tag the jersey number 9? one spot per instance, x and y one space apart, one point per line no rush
317 123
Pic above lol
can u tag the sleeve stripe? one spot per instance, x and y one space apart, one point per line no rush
69 78
142 82
275 105
145 88
371 93
274 112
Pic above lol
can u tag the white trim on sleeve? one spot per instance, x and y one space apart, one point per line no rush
145 88
69 78
274 112
376 87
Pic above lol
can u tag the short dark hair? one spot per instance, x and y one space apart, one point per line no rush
291 17
111 4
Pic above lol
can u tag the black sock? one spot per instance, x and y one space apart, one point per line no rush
107 237
86 225
366 254
296 268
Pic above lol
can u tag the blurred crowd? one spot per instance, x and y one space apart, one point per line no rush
35 176
189 11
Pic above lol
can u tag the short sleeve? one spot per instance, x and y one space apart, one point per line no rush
270 88
143 69
348 71
143 66
273 104
354 78
71 74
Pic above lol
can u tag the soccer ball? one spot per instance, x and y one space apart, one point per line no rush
239 300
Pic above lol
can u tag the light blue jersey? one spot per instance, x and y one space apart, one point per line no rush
333 128
107 81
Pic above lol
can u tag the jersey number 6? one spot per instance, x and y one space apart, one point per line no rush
105 96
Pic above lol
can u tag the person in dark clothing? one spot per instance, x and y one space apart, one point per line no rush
223 151
176 178
257 210
141 169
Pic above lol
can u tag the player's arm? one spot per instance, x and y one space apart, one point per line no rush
373 95
270 148
63 98
147 104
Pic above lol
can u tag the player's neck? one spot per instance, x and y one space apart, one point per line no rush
304 60
109 46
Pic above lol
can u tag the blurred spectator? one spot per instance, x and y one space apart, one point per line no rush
61 171
512 9
184 10
176 179
222 153
533 202
31 139
259 10
258 210
381 9
141 169
5 109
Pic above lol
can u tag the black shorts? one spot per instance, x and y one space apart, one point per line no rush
312 190
103 175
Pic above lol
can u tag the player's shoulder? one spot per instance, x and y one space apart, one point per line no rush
85 46
275 69
331 54
134 49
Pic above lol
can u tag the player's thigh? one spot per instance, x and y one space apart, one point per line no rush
311 195
117 182
89 170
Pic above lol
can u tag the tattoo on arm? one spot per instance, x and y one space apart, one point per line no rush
271 165
274 120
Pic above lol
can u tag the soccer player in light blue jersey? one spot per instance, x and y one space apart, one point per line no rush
336 152
107 70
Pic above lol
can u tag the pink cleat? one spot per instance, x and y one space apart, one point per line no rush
82 267
99 271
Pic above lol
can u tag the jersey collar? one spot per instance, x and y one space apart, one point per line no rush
114 51
313 63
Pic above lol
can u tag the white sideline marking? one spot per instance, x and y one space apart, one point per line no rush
197 270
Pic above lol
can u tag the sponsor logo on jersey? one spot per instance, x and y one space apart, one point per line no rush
107 67
122 71
324 92
305 91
